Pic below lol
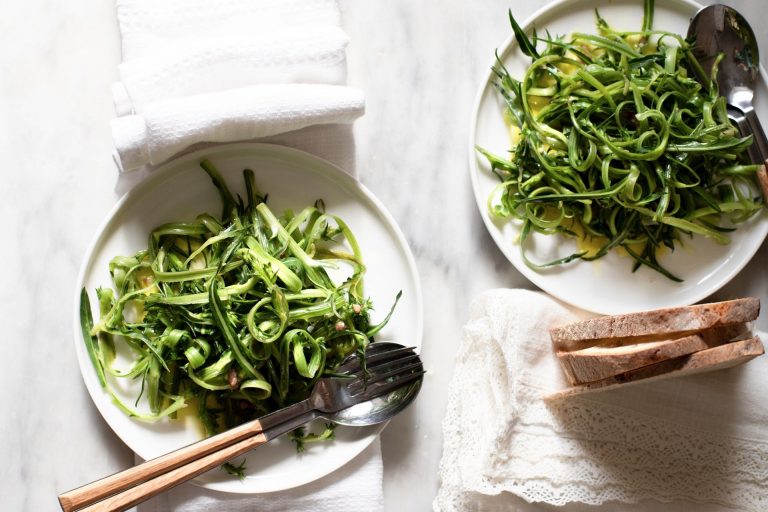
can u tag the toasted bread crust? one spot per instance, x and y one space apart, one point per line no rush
655 325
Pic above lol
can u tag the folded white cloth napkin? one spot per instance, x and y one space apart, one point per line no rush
353 488
218 63
148 25
199 71
699 439
169 126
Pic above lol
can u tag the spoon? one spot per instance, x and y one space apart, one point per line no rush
718 29
390 382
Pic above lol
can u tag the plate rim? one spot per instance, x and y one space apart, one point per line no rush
170 169
531 275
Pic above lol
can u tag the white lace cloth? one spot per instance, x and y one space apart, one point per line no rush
700 439
195 71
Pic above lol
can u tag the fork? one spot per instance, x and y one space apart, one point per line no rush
385 369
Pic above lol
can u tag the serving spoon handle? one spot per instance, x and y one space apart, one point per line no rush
758 151
757 131
95 491
135 495
190 458
748 124
762 179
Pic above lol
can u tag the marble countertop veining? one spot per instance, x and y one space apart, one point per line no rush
419 63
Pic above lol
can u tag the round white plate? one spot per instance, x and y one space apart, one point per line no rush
606 285
293 179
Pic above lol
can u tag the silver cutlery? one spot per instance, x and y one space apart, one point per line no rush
363 391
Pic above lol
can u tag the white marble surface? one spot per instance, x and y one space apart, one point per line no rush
419 63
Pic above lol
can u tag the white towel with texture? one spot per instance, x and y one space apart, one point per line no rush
354 487
198 71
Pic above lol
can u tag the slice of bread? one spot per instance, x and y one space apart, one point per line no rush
716 358
655 325
596 363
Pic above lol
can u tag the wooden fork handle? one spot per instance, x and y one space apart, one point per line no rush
100 489
148 489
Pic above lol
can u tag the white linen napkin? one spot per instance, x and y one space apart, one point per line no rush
354 487
314 54
167 127
146 25
696 439
199 71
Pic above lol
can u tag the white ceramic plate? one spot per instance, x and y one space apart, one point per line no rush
293 179
606 285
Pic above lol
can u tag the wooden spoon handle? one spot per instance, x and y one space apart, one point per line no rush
100 489
150 488
762 179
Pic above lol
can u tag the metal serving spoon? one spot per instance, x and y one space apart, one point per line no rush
387 384
719 29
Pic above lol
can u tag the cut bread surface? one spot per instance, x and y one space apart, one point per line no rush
599 362
716 358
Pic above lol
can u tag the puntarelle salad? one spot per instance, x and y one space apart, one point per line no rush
235 315
615 142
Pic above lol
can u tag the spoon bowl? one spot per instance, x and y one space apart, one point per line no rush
720 29
721 33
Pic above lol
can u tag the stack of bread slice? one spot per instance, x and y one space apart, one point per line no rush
605 352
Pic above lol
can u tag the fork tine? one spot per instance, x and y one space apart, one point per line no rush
382 376
385 387
381 354
395 363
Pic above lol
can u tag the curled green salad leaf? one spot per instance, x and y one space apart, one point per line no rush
616 144
237 315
